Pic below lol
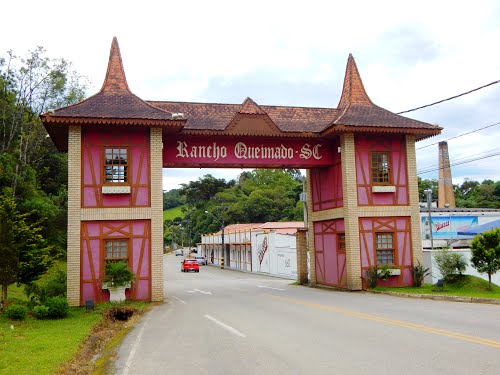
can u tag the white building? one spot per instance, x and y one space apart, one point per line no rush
268 248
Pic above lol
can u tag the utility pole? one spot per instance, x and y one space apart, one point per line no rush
428 192
221 222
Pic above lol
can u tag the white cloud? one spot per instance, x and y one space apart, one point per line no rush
408 54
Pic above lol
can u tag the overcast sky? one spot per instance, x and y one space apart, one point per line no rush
289 53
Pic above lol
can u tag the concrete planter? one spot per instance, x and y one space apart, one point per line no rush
116 293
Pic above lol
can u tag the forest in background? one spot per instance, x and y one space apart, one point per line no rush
33 174
264 195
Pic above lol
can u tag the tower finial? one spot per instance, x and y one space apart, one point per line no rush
115 79
353 90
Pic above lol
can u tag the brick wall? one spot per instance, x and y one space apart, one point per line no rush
74 205
156 147
416 237
351 222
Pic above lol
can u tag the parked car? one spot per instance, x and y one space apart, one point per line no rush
179 252
190 264
202 261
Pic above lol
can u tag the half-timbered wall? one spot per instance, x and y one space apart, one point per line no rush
400 226
326 185
396 146
94 141
94 234
330 260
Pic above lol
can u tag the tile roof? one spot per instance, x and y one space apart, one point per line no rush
216 116
116 104
288 227
114 100
113 104
357 109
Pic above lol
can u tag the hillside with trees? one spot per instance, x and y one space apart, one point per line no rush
33 174
469 194
256 196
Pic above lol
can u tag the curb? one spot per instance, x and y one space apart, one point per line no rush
438 297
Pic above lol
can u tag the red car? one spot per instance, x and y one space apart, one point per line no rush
190 265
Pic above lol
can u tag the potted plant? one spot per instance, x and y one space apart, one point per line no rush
117 278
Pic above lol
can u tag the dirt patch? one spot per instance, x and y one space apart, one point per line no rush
97 352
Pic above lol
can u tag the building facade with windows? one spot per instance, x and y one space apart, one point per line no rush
361 178
267 248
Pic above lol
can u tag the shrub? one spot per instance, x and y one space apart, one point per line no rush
450 263
58 307
41 312
419 273
54 286
118 274
374 273
16 312
371 276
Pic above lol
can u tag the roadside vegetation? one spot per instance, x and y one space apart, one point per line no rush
460 286
79 343
485 259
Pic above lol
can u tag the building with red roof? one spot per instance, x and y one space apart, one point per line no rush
362 196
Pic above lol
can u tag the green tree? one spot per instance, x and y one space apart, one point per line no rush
24 253
172 198
29 163
485 249
427 184
203 190
450 263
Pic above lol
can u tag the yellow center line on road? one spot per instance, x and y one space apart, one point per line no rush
400 323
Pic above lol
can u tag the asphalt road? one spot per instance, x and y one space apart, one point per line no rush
226 322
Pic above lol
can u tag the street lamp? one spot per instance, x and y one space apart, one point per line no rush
428 192
222 235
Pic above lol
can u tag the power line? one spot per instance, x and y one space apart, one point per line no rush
434 168
460 135
463 158
450 98
459 163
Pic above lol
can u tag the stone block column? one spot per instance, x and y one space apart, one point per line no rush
156 147
310 228
351 212
301 238
416 236
74 214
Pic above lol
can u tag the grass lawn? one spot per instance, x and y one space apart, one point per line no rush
41 346
44 346
462 286
172 213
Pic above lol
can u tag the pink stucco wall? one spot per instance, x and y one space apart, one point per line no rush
399 172
403 259
330 263
94 141
326 184
94 234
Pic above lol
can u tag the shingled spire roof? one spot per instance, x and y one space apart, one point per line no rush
353 90
115 80
113 104
358 111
